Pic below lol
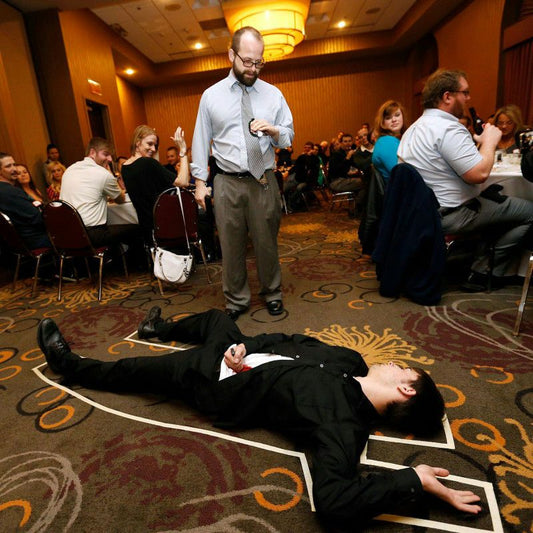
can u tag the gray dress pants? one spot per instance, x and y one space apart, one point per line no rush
243 207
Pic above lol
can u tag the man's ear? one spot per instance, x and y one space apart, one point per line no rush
407 390
231 55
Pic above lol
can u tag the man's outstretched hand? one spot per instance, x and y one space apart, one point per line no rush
463 500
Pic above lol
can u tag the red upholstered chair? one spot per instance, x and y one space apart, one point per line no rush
170 226
15 244
69 237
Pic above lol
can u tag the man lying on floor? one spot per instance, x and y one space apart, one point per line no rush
324 394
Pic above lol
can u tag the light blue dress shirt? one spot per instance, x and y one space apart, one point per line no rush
219 125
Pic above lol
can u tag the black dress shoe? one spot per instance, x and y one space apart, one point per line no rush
52 344
147 327
275 307
234 314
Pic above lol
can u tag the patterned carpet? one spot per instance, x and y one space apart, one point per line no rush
79 460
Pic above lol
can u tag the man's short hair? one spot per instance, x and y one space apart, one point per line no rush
172 148
3 155
97 144
423 412
344 135
236 39
438 83
51 146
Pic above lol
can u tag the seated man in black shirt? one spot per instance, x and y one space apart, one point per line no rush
23 211
325 395
342 174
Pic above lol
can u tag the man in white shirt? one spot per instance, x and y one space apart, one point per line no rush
87 185
242 119
443 151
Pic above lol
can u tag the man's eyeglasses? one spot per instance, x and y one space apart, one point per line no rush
259 64
466 93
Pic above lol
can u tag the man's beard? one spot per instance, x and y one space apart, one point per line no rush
246 81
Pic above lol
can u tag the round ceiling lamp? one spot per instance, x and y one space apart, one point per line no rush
282 24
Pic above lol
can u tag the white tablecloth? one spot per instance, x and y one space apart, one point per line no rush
510 177
121 214
514 184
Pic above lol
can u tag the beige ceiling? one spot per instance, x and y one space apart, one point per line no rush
167 30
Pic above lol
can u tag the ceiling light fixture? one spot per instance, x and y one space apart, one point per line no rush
198 46
281 23
129 71
341 24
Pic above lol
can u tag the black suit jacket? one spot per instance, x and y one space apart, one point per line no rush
315 398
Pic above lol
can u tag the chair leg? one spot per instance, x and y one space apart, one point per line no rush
523 298
100 271
201 246
88 269
61 260
158 280
35 275
491 266
16 276
123 255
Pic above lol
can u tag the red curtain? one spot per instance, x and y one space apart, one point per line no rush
518 83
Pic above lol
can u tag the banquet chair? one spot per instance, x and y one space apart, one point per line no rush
69 238
171 227
16 245
523 298
341 197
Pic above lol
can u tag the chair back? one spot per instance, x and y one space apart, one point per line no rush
170 225
66 230
11 237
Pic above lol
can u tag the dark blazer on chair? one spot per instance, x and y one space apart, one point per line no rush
410 253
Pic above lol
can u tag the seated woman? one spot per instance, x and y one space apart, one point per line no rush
145 178
55 171
389 128
509 120
25 182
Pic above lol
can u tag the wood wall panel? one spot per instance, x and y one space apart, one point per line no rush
132 105
87 43
471 42
23 128
323 99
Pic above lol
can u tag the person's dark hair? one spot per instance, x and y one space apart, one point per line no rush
3 155
97 144
50 146
236 39
423 412
438 83
344 135
172 148
31 184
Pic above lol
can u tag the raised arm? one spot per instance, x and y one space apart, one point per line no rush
183 178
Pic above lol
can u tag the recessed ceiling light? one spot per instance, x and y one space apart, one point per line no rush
341 24
372 10
129 71
172 7
198 46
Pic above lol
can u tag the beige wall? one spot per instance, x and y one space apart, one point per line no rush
133 112
22 120
471 42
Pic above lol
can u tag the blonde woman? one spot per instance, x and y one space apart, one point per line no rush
145 178
509 120
54 175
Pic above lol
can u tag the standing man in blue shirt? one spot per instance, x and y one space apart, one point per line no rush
242 120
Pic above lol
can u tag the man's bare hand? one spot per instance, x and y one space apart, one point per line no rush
463 500
233 357
260 124
491 135
201 192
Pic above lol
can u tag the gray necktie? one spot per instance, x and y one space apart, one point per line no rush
256 166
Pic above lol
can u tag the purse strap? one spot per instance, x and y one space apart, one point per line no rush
184 221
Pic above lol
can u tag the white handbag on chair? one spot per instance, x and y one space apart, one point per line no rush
172 267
